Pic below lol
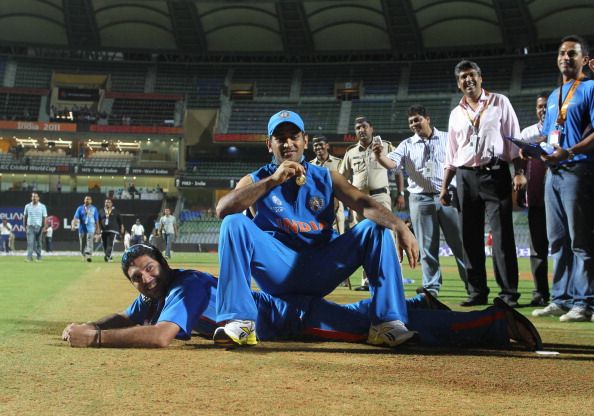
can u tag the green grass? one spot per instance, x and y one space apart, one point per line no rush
40 374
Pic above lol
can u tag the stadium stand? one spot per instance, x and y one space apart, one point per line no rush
18 106
270 81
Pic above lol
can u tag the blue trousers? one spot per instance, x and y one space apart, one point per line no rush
245 251
33 241
168 241
569 201
299 317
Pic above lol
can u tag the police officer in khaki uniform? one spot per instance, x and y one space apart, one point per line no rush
325 159
361 168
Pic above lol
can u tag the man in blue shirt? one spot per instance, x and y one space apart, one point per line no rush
173 303
291 248
86 218
569 186
34 219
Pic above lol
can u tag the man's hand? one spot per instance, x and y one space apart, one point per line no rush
400 202
523 155
444 197
287 170
376 148
519 182
407 243
79 335
560 154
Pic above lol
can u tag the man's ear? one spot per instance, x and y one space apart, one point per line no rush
268 146
306 140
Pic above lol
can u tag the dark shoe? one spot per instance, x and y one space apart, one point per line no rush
105 259
420 289
510 302
473 302
362 289
433 302
539 301
519 328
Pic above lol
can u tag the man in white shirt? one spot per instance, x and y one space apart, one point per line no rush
422 157
5 230
478 156
137 236
168 229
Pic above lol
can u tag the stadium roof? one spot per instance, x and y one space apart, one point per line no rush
292 27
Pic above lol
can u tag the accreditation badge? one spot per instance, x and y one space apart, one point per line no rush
555 137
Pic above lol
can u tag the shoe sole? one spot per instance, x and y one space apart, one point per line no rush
397 341
222 339
523 321
581 319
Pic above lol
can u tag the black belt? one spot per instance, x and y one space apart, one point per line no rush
378 191
429 193
491 166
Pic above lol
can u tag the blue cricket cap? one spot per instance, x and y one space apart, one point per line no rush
284 116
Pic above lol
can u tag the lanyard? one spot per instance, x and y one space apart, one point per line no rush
563 105
476 121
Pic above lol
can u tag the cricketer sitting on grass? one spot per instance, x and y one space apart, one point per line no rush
174 302
290 246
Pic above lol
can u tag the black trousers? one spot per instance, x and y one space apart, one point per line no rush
108 239
488 194
539 251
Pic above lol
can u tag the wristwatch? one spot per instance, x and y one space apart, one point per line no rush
570 154
401 193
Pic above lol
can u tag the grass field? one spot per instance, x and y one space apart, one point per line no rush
41 375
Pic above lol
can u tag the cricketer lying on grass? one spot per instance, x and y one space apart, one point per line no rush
174 302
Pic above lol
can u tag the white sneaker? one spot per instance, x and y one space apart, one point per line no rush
391 334
551 310
236 333
576 314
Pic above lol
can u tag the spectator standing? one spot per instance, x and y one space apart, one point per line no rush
537 222
323 158
137 235
569 187
34 219
168 229
422 157
86 218
362 169
49 234
5 230
111 224
126 240
478 156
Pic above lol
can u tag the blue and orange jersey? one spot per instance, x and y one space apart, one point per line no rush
298 216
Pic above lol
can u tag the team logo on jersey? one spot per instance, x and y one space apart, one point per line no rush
278 204
316 203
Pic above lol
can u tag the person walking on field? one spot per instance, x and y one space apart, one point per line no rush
34 219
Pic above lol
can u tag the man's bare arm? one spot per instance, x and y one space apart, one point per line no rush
146 336
371 209
247 193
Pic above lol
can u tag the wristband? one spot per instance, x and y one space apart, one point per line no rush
401 193
97 336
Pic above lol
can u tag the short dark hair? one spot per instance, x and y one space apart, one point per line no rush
319 139
417 109
577 39
138 250
543 94
362 119
464 65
